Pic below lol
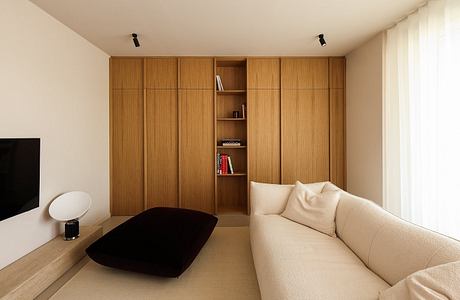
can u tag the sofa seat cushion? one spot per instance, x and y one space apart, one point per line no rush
160 241
295 262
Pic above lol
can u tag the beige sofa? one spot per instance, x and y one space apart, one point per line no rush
373 249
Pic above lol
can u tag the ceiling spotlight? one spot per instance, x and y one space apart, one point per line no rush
135 40
322 41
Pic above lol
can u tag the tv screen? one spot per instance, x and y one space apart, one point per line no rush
19 176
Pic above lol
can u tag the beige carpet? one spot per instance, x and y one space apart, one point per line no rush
223 270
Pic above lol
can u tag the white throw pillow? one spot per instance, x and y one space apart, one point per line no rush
313 210
439 282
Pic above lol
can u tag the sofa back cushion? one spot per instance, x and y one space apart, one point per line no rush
388 245
271 199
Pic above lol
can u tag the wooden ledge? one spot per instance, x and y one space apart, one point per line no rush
30 275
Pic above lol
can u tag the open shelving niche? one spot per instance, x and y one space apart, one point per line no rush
231 190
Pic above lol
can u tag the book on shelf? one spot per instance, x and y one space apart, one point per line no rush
224 164
219 85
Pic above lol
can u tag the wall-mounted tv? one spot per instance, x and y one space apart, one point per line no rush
19 176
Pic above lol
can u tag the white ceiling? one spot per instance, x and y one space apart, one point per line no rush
230 27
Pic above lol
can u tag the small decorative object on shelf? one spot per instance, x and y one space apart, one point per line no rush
236 114
243 109
231 142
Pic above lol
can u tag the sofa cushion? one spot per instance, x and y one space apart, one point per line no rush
160 241
269 198
316 211
388 245
295 262
436 283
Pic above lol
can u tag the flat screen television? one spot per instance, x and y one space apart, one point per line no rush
19 176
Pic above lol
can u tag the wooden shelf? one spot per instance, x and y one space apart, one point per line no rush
231 119
231 147
231 175
231 92
29 276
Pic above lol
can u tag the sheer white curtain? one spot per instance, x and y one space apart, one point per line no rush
422 118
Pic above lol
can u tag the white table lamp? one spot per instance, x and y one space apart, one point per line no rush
69 208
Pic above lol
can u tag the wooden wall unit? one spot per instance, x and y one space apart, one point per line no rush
127 141
196 73
161 133
196 157
126 73
167 119
337 121
264 130
305 136
304 120
304 73
196 133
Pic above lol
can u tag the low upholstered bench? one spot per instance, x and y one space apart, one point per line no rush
160 241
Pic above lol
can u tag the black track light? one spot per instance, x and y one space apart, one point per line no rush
135 40
322 41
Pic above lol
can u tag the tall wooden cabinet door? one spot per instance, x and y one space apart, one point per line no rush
264 73
162 148
196 154
304 73
196 73
337 138
264 135
337 121
126 73
304 136
127 152
161 73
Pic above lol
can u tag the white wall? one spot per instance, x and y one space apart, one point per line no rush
364 120
53 85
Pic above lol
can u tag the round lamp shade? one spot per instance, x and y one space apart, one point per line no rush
70 206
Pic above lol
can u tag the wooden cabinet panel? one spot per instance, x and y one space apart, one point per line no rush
337 138
264 135
304 73
161 73
196 73
127 184
196 154
337 72
126 73
305 136
263 73
162 149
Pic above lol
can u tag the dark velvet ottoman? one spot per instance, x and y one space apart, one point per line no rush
160 241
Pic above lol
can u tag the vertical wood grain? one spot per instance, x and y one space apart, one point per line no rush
127 152
127 73
264 135
337 138
337 72
304 73
162 148
161 73
305 132
337 121
264 73
197 149
196 73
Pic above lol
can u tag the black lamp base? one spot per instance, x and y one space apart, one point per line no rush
72 230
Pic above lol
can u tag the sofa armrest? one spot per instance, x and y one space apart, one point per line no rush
267 199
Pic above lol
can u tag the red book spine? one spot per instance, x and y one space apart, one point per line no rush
224 164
